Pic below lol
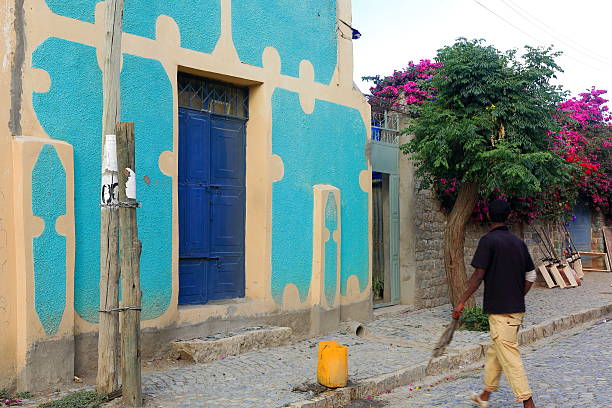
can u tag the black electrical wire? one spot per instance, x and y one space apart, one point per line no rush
535 38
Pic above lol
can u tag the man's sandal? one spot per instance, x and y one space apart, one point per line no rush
476 399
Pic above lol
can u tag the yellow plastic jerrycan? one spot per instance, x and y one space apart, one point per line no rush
332 365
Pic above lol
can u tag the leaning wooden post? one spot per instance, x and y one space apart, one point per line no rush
108 331
130 267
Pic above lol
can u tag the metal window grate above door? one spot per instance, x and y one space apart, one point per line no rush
214 97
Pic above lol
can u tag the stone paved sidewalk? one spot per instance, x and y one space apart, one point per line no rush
542 305
267 378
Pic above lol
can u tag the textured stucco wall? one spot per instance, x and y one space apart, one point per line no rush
49 248
312 23
8 289
307 127
331 248
199 21
75 76
8 319
43 260
297 139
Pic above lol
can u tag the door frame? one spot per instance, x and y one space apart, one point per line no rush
393 227
384 156
212 117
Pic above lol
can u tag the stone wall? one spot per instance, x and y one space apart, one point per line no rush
597 240
431 288
422 224
430 277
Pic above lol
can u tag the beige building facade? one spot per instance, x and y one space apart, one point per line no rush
252 174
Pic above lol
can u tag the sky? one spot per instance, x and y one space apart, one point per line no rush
395 32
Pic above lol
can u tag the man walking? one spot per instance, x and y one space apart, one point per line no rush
502 260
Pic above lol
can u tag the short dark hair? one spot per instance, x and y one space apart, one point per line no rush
499 210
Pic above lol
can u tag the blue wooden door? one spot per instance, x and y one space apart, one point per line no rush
211 207
580 227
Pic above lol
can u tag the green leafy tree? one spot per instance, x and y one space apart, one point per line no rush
487 127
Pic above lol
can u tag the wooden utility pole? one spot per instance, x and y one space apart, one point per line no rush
130 267
108 331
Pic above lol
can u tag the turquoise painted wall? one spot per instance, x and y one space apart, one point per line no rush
298 29
331 249
146 80
199 21
49 249
83 10
77 80
325 147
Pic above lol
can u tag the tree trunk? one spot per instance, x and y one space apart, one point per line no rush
454 241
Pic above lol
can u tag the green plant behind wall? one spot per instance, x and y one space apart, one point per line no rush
378 288
474 319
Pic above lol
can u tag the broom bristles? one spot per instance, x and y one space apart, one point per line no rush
445 339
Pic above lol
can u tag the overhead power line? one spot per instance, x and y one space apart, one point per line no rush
564 36
506 21
579 61
552 33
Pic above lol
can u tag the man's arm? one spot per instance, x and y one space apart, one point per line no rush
530 277
473 285
530 274
528 286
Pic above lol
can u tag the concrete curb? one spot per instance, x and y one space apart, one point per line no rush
376 385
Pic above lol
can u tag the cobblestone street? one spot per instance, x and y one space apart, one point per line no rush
266 378
573 371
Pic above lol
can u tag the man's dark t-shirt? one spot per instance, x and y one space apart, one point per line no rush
505 259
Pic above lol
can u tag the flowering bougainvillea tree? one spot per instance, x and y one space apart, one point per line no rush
488 125
486 130
585 139
406 89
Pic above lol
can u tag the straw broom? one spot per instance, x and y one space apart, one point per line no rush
444 341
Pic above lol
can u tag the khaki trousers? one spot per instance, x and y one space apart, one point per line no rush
503 355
